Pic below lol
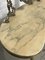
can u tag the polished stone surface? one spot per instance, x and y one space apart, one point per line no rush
4 55
28 25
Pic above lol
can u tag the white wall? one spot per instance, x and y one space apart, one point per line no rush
3 8
18 3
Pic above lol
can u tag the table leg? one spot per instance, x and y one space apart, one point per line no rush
38 0
31 58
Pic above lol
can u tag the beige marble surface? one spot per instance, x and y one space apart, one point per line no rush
24 34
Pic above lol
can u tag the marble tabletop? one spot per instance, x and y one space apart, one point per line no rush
25 33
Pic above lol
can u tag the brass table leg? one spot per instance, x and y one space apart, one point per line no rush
31 58
30 2
38 0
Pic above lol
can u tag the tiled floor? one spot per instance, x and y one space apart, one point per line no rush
4 55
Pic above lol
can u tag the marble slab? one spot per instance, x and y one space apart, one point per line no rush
24 35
